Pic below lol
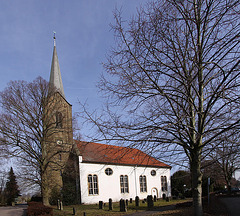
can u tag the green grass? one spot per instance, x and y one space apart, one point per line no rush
93 210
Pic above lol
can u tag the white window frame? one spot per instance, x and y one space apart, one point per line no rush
143 183
164 183
124 186
93 184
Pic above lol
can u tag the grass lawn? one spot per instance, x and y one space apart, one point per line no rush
92 210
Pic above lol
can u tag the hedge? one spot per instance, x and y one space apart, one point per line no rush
38 209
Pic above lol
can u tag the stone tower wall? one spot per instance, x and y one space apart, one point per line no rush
59 140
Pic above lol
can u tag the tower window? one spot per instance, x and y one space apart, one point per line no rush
59 119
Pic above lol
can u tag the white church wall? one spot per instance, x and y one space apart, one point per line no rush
109 185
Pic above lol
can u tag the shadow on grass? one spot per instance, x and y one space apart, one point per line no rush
93 210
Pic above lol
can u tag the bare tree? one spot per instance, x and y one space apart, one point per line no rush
226 157
172 81
2 187
29 121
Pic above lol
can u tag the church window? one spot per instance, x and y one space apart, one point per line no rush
164 183
124 184
153 172
108 171
92 184
143 183
59 119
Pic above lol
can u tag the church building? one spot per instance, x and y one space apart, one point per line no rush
101 171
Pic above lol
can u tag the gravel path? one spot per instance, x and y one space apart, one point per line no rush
19 210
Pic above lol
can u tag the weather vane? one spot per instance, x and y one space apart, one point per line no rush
54 38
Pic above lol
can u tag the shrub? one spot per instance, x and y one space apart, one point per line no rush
37 208
36 198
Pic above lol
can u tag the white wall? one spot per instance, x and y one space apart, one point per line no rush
109 186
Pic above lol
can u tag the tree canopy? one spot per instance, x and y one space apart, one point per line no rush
28 123
172 81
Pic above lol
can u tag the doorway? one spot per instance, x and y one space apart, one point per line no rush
155 192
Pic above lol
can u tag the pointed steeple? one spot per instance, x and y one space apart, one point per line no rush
55 75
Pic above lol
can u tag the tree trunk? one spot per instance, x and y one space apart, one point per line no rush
197 184
45 189
228 181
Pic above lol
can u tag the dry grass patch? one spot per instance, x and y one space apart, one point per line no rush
92 210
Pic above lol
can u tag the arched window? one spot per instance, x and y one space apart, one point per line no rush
92 184
164 183
124 184
59 119
143 183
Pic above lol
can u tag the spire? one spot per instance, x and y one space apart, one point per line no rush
55 75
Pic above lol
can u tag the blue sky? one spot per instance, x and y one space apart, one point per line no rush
83 38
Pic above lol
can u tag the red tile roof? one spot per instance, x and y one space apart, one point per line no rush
109 154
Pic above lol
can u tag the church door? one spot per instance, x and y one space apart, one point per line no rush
154 192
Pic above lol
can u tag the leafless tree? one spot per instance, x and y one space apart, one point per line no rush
28 123
3 170
226 157
3 175
172 80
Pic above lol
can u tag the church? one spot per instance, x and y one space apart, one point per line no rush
100 171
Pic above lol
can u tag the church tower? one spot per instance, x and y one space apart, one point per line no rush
59 139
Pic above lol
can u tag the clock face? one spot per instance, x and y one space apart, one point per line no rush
59 142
